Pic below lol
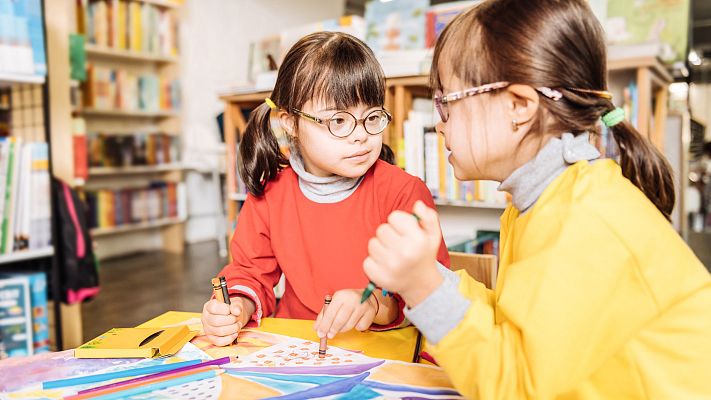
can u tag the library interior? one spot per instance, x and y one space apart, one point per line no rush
190 207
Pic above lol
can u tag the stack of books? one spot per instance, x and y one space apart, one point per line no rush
111 208
129 25
25 208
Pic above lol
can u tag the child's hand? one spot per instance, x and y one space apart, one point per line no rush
403 254
345 313
222 322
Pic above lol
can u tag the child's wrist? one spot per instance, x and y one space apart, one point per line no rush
418 291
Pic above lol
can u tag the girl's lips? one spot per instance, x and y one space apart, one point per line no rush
359 156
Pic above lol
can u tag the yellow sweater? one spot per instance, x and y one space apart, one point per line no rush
597 298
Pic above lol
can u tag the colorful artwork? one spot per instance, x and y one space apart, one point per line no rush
663 22
293 369
268 366
22 378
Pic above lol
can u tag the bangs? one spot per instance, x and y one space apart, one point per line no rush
342 74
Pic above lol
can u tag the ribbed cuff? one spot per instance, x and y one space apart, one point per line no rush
441 311
252 295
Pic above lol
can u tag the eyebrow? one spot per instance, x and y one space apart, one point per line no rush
367 110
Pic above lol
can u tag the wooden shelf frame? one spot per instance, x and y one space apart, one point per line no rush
95 51
141 226
9 79
26 255
100 112
135 170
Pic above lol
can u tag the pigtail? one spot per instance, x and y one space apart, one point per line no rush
260 156
645 167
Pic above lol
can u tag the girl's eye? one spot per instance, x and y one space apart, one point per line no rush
338 121
374 118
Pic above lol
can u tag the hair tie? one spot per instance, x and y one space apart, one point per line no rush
613 117
270 103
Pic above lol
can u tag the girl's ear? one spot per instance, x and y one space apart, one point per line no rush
522 104
287 122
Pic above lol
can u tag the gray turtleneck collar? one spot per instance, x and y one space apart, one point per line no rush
528 182
329 189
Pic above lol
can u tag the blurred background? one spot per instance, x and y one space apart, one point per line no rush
120 122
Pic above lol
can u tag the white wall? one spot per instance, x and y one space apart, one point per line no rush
215 38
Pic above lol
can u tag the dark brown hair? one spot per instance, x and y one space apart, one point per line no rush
558 44
332 67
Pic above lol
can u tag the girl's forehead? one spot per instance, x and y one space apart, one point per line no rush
325 104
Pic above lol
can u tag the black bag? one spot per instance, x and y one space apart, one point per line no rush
78 266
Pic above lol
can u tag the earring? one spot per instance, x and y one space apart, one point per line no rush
514 125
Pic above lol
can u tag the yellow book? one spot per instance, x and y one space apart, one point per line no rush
136 343
136 27
121 25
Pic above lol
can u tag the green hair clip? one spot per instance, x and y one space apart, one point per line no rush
613 117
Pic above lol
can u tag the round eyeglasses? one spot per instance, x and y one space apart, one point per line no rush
343 123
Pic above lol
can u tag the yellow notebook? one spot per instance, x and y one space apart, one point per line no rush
136 343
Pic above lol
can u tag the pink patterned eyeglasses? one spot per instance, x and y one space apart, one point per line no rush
442 101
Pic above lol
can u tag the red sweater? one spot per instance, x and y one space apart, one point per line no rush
320 248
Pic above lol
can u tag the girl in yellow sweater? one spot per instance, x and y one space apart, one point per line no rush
597 296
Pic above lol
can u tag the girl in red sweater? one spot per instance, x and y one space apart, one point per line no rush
310 216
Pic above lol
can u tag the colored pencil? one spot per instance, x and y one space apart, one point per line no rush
114 389
219 361
82 380
122 394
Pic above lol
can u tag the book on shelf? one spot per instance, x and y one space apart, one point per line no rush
395 30
16 316
117 89
116 207
395 25
129 25
25 210
80 147
438 16
630 102
422 153
77 57
132 150
37 314
22 38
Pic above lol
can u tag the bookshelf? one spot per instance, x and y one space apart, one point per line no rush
28 255
29 124
134 170
648 73
98 112
652 79
140 64
128 228
470 204
126 55
63 19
